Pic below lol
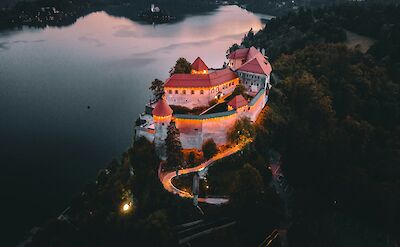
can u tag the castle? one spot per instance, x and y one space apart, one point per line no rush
209 90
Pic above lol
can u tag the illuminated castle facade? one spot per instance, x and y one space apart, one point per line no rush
209 90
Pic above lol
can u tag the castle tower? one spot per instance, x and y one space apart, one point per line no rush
199 66
162 115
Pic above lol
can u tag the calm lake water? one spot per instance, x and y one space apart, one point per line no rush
51 142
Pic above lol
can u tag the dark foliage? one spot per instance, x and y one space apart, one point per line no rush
338 131
174 147
182 66
209 148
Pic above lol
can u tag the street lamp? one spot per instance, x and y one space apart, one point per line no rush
127 207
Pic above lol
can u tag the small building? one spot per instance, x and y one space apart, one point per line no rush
200 87
252 67
237 102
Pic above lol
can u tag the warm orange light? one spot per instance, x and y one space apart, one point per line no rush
127 207
161 118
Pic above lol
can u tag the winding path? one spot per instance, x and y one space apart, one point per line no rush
166 177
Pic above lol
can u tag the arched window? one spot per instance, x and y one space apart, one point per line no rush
176 92
192 92
202 91
183 91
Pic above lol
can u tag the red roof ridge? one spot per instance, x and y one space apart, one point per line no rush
199 64
200 80
162 109
258 65
237 101
239 53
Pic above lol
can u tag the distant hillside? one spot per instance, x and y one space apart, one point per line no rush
307 27
9 3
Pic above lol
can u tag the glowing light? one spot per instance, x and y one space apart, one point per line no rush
127 207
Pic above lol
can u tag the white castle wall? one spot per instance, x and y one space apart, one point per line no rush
253 82
198 97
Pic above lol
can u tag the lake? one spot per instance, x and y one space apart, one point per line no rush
69 98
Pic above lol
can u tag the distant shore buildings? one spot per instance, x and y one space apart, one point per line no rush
209 91
156 15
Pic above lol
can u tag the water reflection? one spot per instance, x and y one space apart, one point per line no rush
51 142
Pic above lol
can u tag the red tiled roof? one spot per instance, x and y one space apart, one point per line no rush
200 80
238 101
247 53
199 64
252 53
239 54
162 109
257 65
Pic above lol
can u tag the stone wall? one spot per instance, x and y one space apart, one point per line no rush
197 129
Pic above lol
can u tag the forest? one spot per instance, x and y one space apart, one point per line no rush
334 115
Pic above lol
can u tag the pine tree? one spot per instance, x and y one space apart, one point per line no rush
174 146
182 66
157 86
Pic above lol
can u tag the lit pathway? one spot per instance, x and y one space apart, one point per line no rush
166 178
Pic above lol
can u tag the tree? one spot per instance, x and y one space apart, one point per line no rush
233 48
242 131
248 39
239 89
209 148
191 157
174 146
157 86
182 66
156 229
258 205
247 186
